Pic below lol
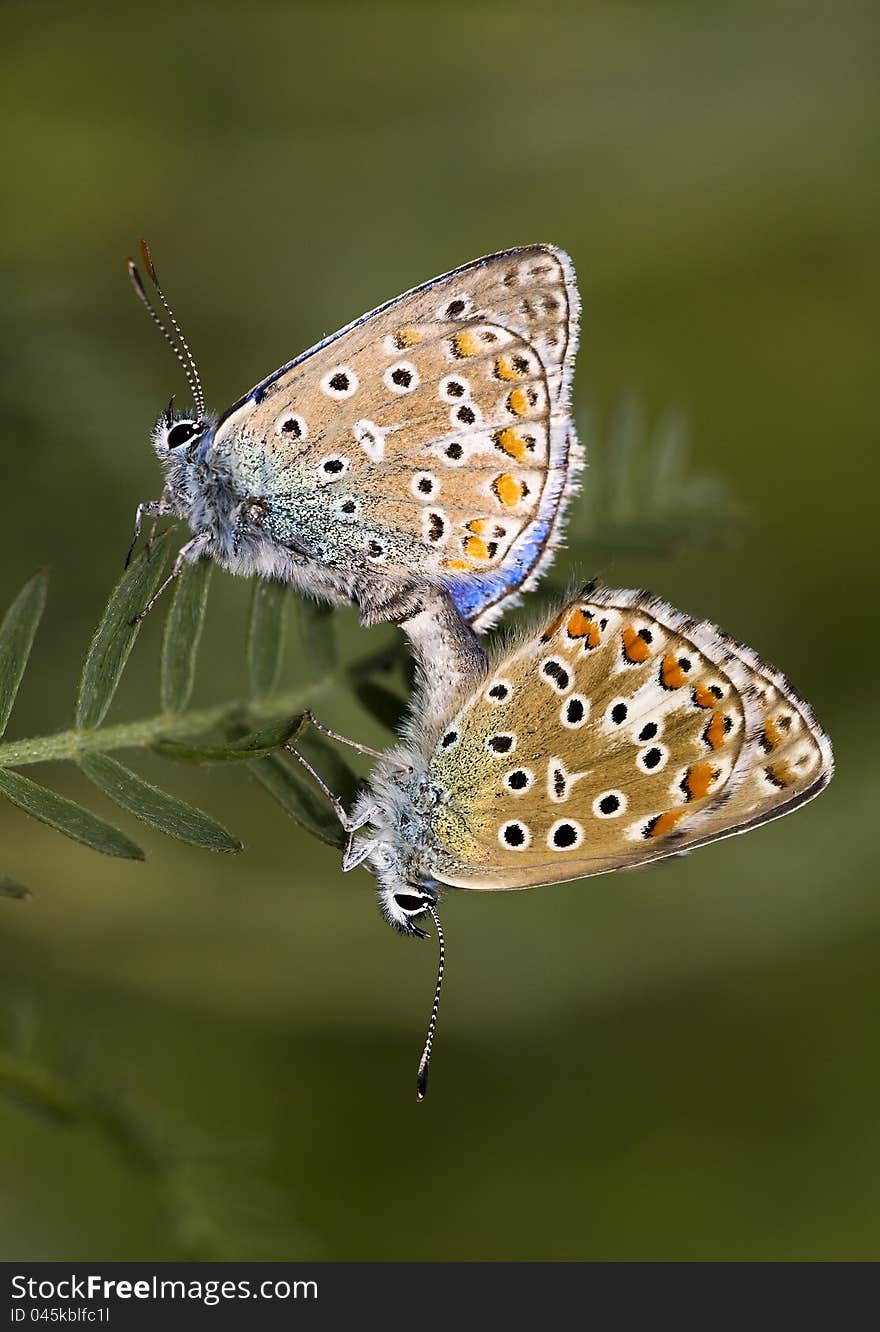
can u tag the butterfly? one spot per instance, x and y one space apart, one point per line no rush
427 444
620 731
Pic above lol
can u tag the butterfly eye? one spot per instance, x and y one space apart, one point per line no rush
410 902
181 433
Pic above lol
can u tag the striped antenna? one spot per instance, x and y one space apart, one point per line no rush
422 1085
178 344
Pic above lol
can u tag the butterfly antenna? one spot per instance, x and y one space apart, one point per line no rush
422 1086
178 345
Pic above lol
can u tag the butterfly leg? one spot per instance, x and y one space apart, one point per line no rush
151 508
356 851
343 739
187 554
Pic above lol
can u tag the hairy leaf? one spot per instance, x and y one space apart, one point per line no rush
16 639
183 630
266 636
156 807
66 816
317 629
248 746
115 635
296 794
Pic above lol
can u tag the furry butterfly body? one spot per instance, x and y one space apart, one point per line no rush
426 445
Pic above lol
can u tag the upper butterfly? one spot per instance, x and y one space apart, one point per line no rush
427 443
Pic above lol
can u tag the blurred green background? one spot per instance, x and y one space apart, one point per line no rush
679 1063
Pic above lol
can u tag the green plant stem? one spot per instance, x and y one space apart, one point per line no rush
163 726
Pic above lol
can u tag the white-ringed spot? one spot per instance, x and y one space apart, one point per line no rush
456 307
435 527
424 485
514 835
653 758
465 415
565 835
519 780
453 388
557 674
291 426
575 712
340 382
401 378
609 805
498 692
371 439
333 467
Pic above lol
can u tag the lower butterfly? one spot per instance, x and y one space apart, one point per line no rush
429 443
619 732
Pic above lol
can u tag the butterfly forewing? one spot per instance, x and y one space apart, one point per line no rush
432 436
619 733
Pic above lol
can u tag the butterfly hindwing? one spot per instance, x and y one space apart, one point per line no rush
620 733
432 438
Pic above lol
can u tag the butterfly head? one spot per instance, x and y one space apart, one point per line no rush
402 905
181 436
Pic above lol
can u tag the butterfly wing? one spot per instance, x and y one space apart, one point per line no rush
429 439
621 733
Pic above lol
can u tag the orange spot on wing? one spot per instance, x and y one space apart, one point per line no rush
581 626
715 732
671 674
478 525
664 823
703 696
505 369
697 780
634 646
780 774
518 402
458 564
772 733
476 547
407 337
510 443
465 344
508 489
552 627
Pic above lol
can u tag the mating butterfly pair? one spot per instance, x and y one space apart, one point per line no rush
419 464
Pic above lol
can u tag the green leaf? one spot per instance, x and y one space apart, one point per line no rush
317 632
162 811
266 636
325 757
9 888
16 639
115 635
251 745
385 705
66 816
295 793
183 630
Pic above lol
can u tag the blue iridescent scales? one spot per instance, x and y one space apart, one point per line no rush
429 440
